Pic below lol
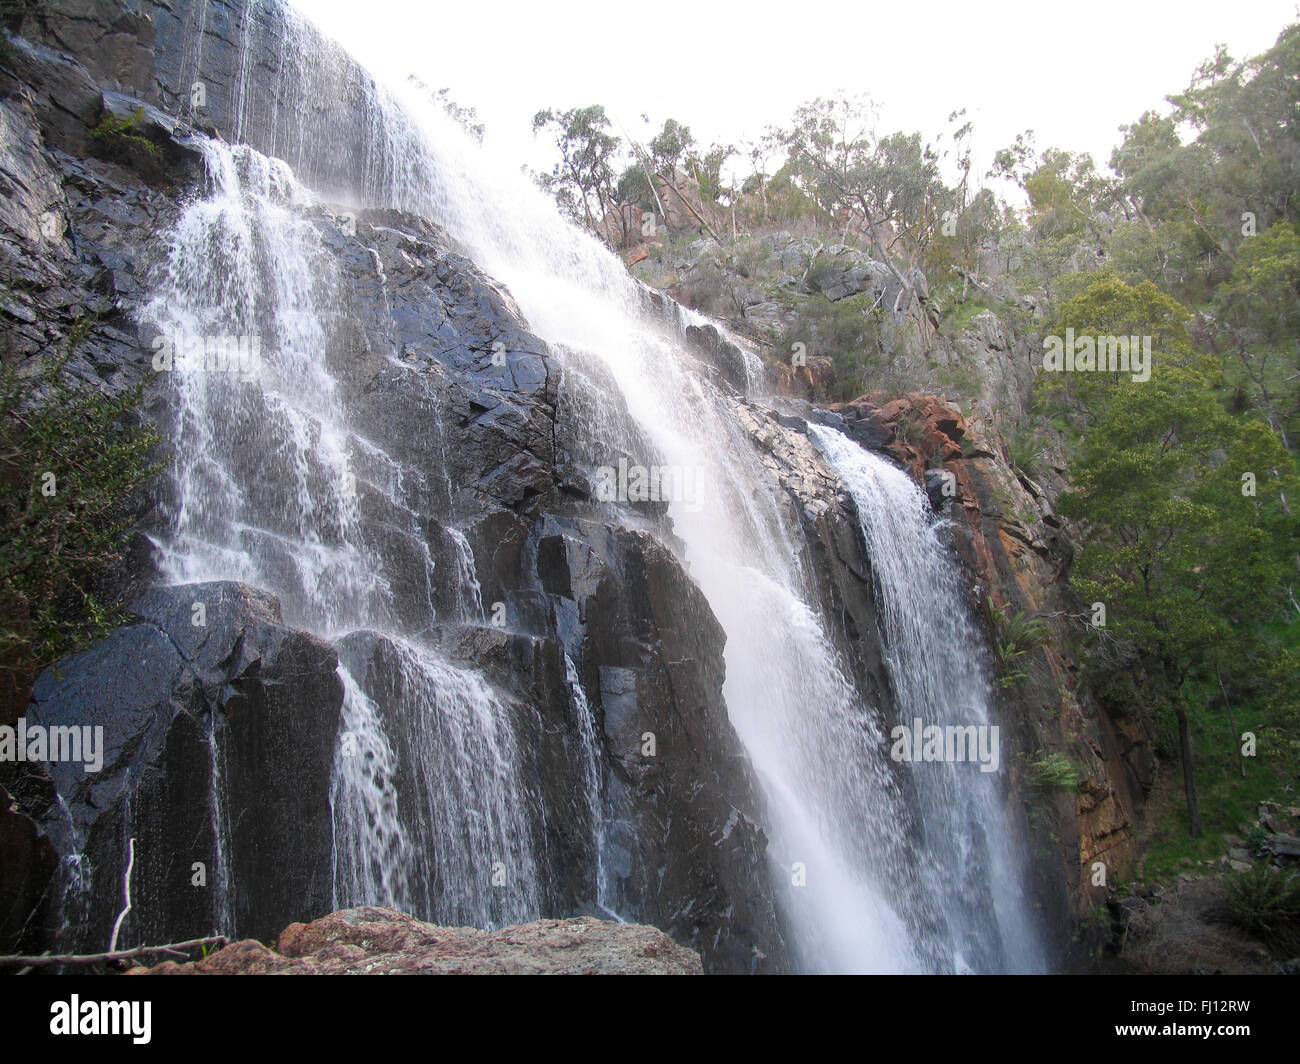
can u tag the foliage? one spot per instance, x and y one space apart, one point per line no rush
1056 772
1064 190
122 139
71 458
1177 545
1024 448
847 332
465 117
888 185
583 180
1265 900
1015 635
1258 311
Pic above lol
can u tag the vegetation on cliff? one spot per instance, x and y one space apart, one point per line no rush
71 459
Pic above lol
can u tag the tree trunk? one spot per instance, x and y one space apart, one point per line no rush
1189 780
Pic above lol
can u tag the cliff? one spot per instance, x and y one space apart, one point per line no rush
220 749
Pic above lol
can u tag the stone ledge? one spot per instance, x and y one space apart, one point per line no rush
375 941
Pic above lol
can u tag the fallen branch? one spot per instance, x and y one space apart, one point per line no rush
176 948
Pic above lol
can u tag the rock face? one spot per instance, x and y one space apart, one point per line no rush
372 941
220 739
28 863
216 737
473 494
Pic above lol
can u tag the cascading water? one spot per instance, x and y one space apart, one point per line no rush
266 473
934 657
466 851
426 799
593 786
861 894
245 272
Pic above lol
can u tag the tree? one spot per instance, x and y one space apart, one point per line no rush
1066 194
1259 312
759 152
1107 306
465 117
1184 559
889 185
588 151
670 147
673 151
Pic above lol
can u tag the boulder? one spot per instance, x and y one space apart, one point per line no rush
375 941
29 862
217 744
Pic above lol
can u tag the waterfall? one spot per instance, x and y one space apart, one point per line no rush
265 485
428 811
835 819
876 866
862 893
428 800
934 657
593 787
373 854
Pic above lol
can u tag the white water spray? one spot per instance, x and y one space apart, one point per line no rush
857 888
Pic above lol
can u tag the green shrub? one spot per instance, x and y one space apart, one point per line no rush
1056 772
1265 901
1014 637
848 333
71 457
1023 451
121 140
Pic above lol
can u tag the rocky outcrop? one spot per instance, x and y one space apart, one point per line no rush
1206 917
471 493
839 271
649 653
834 555
371 941
756 281
217 743
221 65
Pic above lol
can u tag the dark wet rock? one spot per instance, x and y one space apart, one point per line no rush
722 354
835 554
163 689
29 862
648 652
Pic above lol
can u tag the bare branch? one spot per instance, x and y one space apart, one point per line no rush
175 948
126 888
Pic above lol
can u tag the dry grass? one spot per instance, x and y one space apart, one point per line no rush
1187 932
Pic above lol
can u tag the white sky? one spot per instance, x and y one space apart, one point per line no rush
1072 72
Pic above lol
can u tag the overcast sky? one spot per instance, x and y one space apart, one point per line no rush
1072 72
